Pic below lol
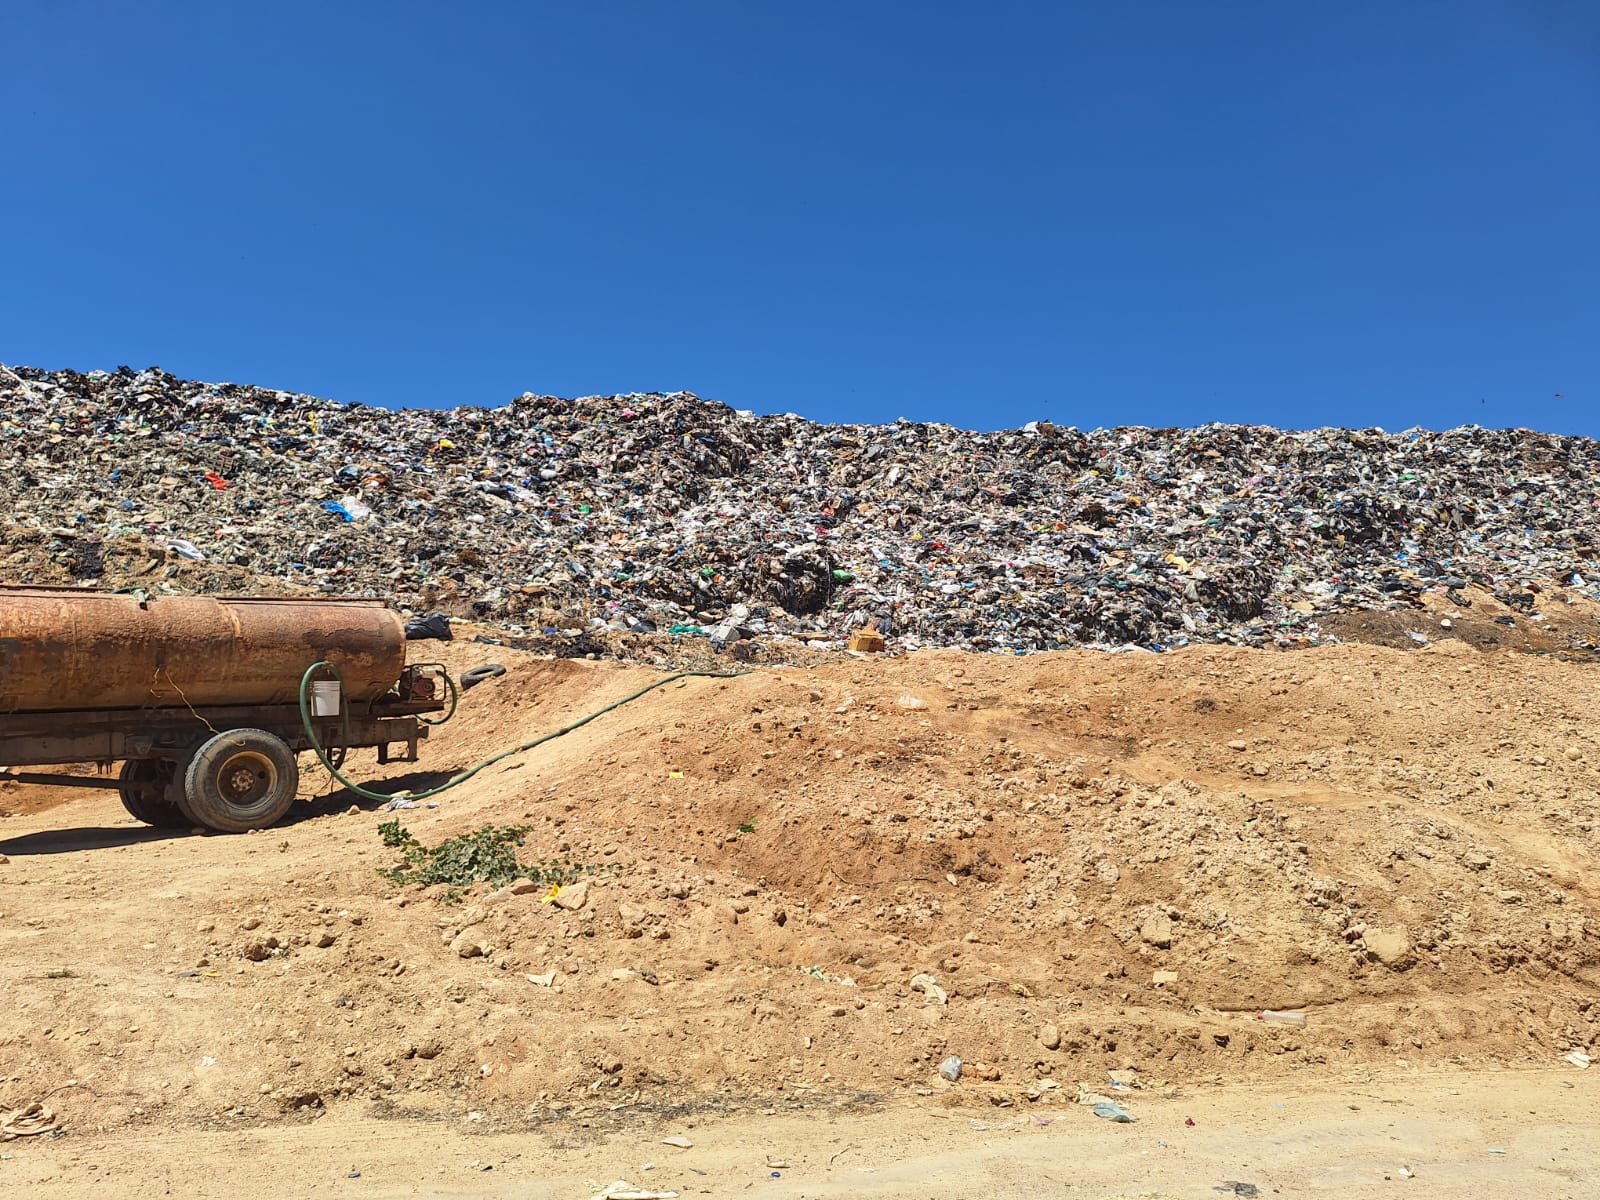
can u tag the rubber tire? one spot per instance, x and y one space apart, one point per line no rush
241 780
477 675
144 794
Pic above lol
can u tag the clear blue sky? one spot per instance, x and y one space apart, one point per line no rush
1157 213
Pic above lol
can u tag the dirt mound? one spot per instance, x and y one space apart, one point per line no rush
821 881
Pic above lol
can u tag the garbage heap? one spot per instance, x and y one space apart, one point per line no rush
670 513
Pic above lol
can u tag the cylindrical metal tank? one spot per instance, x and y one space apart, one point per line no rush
63 649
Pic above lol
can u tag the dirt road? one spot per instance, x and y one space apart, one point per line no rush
1410 1133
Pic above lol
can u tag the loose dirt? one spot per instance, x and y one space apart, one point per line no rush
1080 873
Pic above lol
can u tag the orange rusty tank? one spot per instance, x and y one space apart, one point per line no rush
65 649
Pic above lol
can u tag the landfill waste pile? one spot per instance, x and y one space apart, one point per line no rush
665 513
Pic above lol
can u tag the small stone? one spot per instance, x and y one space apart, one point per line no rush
574 896
1050 1037
257 952
1157 930
205 927
250 923
927 986
524 887
469 945
1476 860
1573 754
837 1010
678 1140
1511 897
1162 978
1238 744
326 940
1107 871
1391 947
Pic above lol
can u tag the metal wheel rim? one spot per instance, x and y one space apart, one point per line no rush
142 782
246 777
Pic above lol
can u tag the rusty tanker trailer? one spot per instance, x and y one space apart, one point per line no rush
204 701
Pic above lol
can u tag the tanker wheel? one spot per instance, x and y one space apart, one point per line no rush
144 793
240 780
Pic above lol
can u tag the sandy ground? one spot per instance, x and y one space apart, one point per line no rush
1082 874
1408 1133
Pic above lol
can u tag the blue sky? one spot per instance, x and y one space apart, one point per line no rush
1155 213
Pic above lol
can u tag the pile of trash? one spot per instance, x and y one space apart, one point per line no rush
667 513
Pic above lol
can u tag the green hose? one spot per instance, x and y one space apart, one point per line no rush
322 754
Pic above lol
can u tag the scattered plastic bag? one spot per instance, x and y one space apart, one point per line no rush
435 626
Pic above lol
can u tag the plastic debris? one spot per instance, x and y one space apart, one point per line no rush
27 1121
621 1189
1279 1017
950 1068
435 626
664 511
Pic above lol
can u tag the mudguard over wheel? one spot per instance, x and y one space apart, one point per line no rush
144 793
240 780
